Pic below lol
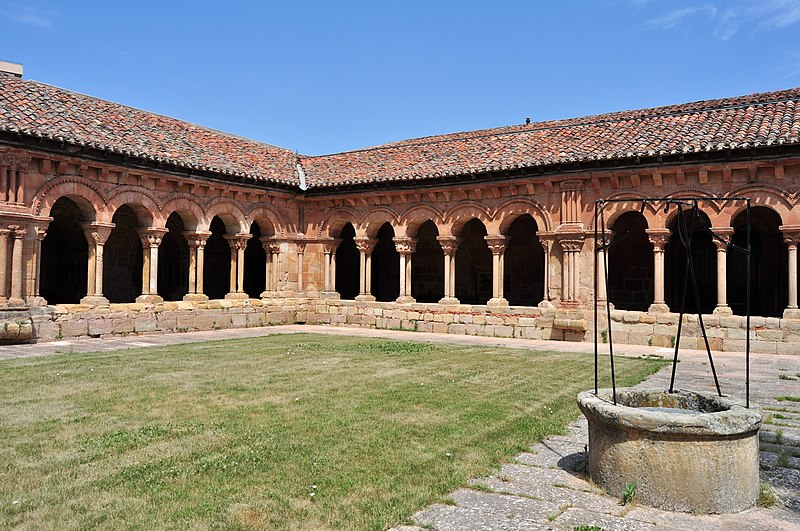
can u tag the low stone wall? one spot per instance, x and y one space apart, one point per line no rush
768 335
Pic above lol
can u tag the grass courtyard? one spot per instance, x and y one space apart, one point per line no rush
286 432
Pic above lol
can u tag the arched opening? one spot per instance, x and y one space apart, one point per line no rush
769 269
65 255
385 266
473 265
523 281
427 265
705 266
630 264
348 266
173 261
255 264
217 266
122 258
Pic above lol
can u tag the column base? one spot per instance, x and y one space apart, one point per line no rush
268 294
237 295
406 299
16 302
545 304
94 300
149 298
365 297
37 301
330 295
658 307
601 304
497 301
195 297
791 313
723 311
569 304
449 300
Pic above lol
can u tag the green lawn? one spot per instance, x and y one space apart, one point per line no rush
237 434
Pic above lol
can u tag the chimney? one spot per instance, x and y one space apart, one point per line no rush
9 69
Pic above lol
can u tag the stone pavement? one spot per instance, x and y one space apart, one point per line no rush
546 487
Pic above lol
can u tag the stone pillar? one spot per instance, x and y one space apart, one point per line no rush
449 246
275 263
329 268
405 248
237 243
658 238
571 245
35 299
301 285
4 263
151 238
197 244
722 261
602 260
365 245
546 239
17 232
96 235
269 291
791 236
497 244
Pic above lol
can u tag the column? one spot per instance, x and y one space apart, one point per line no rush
329 268
365 245
301 285
17 232
405 248
571 246
40 232
4 262
722 261
497 244
791 236
151 238
658 238
269 291
12 184
546 239
97 234
275 263
449 246
237 243
197 243
602 260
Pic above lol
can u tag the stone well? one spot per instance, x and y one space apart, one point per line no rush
687 451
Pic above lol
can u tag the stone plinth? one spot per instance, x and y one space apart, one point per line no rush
687 451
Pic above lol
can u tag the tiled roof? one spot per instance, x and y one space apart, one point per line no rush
44 111
743 122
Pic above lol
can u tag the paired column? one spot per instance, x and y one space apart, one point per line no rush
197 244
602 260
301 285
151 238
791 236
12 285
658 238
237 243
497 244
405 247
365 245
722 269
571 246
96 234
12 176
40 231
546 239
449 246
329 268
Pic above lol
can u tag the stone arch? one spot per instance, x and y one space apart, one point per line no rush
335 220
630 261
269 223
613 210
710 208
123 259
473 264
506 213
346 277
413 218
427 264
228 212
772 198
456 218
87 197
524 269
65 251
189 211
147 211
704 258
371 222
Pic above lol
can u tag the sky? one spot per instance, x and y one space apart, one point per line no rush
322 76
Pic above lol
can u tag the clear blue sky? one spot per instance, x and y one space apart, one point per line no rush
321 77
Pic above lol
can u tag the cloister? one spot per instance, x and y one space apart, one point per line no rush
487 232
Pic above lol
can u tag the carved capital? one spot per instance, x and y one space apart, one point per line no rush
496 243
237 241
329 246
572 243
658 238
365 244
196 240
97 233
17 231
449 244
546 238
405 245
151 236
571 186
13 159
725 233
791 235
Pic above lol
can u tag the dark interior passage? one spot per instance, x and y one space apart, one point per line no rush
523 278
473 265
705 265
385 266
630 264
122 258
347 264
427 265
255 264
217 267
173 261
65 255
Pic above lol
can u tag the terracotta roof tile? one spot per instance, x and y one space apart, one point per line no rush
44 111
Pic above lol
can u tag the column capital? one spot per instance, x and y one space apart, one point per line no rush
196 239
571 243
791 234
449 244
97 232
658 237
237 241
496 243
15 159
151 236
405 245
725 234
365 244
329 245
17 231
609 237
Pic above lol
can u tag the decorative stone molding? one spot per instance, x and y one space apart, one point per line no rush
97 233
572 243
449 244
405 245
151 236
496 244
365 244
